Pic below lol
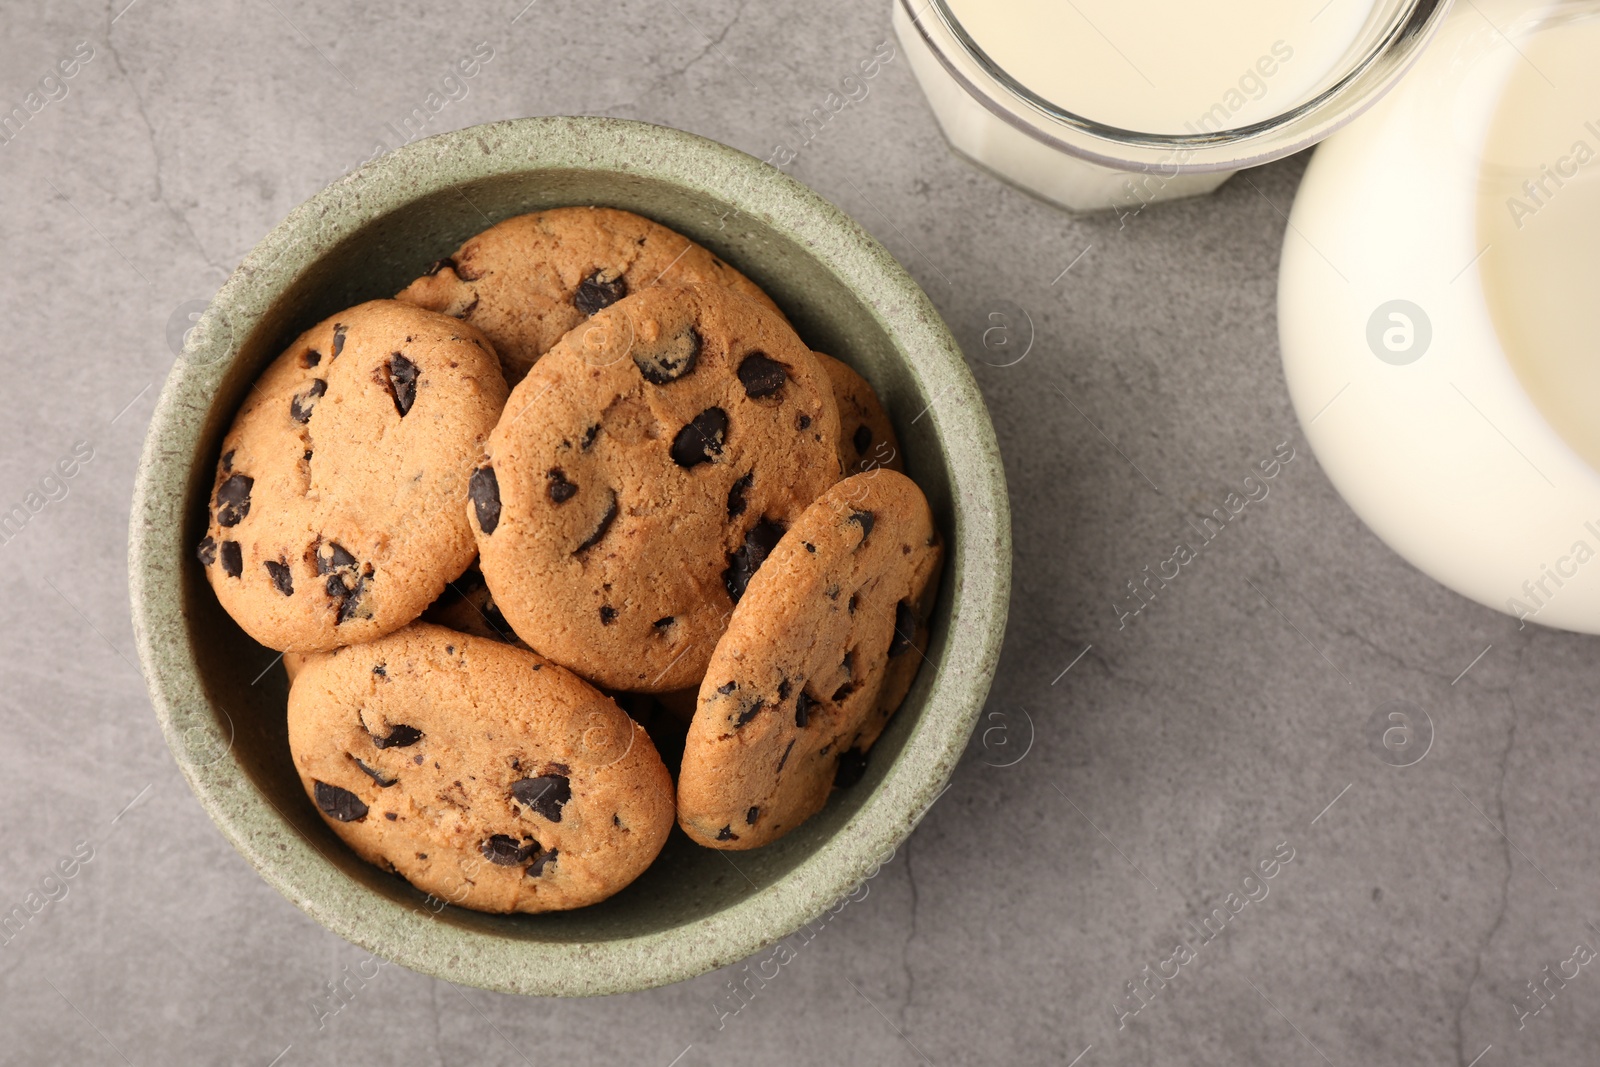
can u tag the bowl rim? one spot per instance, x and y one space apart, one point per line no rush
979 553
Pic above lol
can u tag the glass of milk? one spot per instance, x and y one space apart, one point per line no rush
1108 104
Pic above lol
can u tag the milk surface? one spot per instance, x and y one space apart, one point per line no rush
1168 66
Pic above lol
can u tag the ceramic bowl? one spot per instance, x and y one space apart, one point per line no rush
220 697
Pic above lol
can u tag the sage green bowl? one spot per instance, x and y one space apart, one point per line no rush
366 236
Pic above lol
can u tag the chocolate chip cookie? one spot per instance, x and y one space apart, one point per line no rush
866 436
642 472
527 281
481 773
818 655
336 514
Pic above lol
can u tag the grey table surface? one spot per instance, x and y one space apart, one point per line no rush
1125 779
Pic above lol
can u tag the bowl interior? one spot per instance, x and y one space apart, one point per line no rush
227 724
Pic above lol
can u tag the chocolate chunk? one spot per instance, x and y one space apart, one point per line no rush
751 816
599 290
905 628
600 531
207 551
399 737
852 765
727 687
560 489
761 377
802 422
736 500
232 559
727 834
785 757
375 776
302 403
608 614
233 499
862 440
350 597
589 435
339 330
670 359
339 803
545 794
697 442
541 861
281 576
402 382
227 461
863 519
310 358
747 559
484 489
507 851
332 556
750 712
802 708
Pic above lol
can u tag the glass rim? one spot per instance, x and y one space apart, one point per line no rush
1359 87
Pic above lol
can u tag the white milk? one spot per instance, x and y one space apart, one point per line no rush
1167 66
1539 215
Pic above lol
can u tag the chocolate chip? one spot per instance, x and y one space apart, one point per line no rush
484 489
750 712
747 559
736 500
466 313
608 614
281 576
560 489
339 330
905 628
402 383
852 765
751 816
302 403
785 758
761 377
391 816
851 605
661 625
802 422
207 551
227 460
810 547
599 290
783 690
727 687
727 834
351 599
339 803
600 531
375 776
843 691
802 708
310 359
541 861
381 670
865 520
233 499
668 360
545 794
232 559
589 435
507 851
862 440
332 556
399 737
697 442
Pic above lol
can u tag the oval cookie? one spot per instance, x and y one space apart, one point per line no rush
818 655
480 773
866 436
642 472
336 511
527 281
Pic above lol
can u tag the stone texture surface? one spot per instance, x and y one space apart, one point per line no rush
1125 778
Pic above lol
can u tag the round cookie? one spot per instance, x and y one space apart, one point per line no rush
480 773
866 436
527 281
642 472
336 511
818 655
